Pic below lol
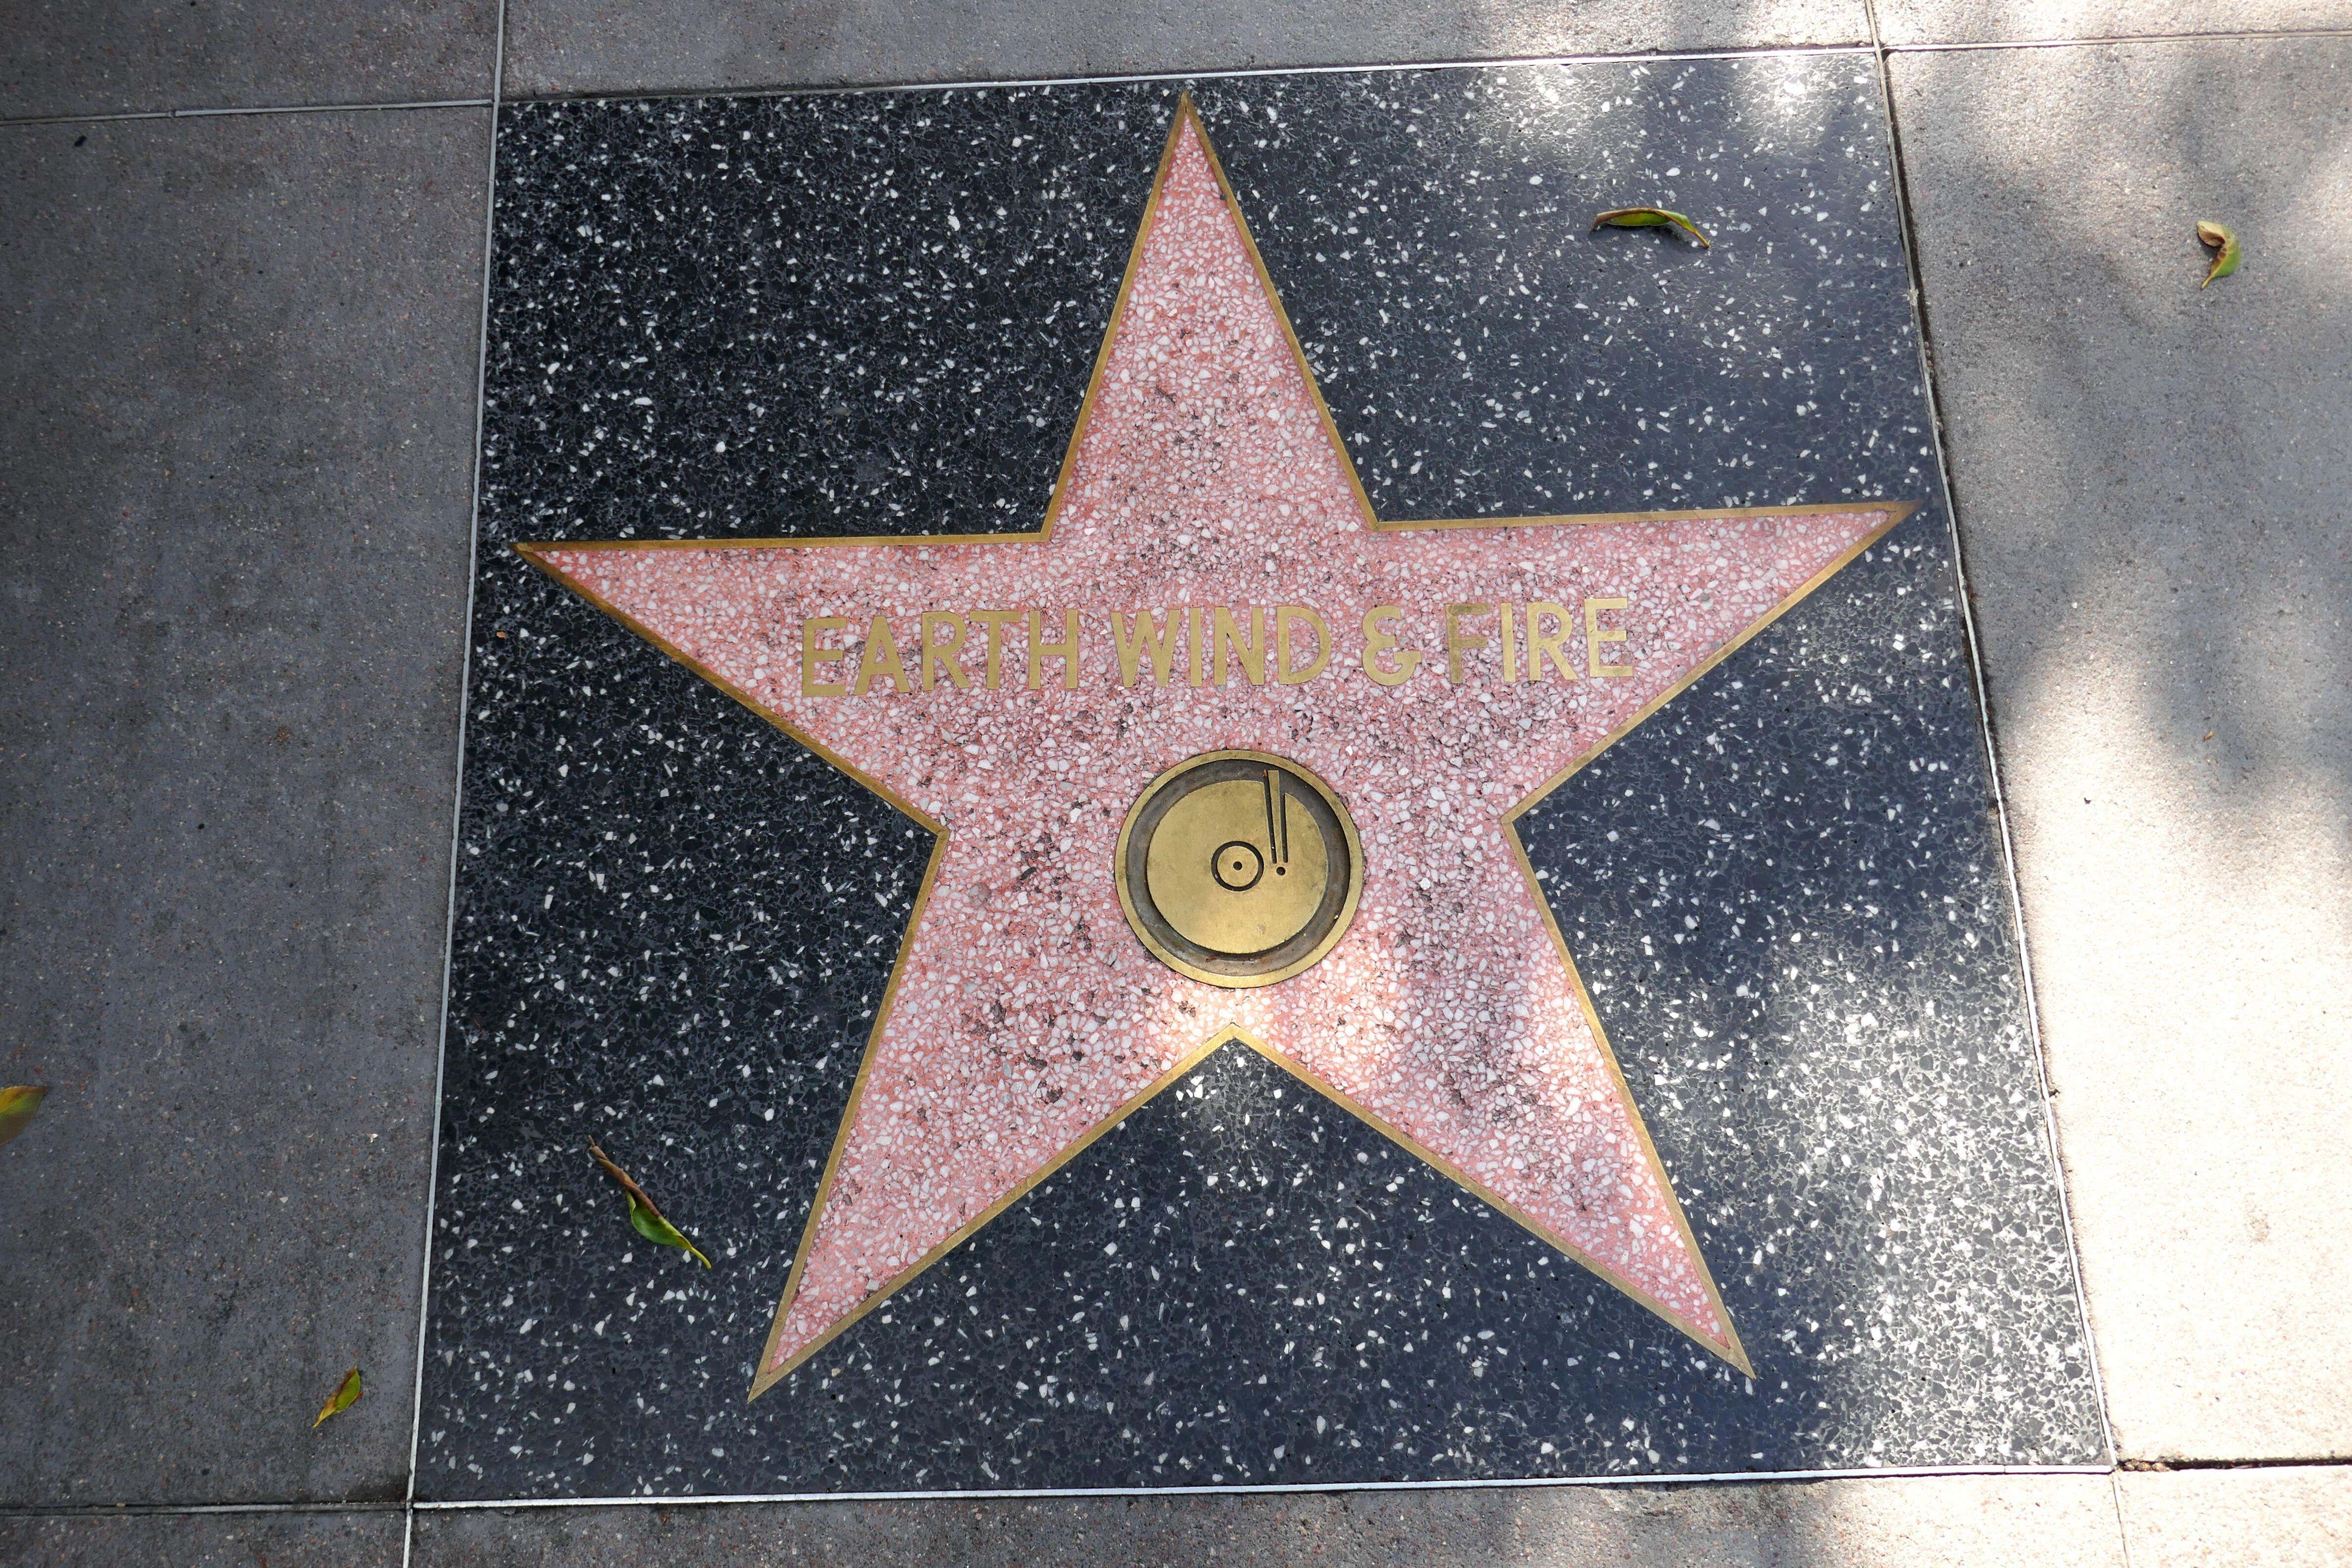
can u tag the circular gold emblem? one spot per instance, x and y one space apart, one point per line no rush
1239 868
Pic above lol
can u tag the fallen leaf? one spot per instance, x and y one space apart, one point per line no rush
346 1394
18 1105
1650 218
654 1227
2222 242
643 1217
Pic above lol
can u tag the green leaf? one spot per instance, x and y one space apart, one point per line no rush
654 1227
2223 243
18 1105
346 1394
1650 218
643 1215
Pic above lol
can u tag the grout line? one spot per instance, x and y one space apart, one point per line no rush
2243 34
339 107
1761 51
2116 1496
458 794
256 109
89 119
1495 1483
736 1500
2166 1467
1984 713
174 1509
498 96
1873 46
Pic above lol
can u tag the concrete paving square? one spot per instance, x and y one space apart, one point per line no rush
1950 1521
569 46
345 1540
237 433
2013 21
2284 1517
2151 492
115 56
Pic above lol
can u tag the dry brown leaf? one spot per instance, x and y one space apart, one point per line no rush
2222 242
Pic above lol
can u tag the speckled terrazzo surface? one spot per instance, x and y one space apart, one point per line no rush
1784 889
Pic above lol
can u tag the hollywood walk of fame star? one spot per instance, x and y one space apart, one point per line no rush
1025 1018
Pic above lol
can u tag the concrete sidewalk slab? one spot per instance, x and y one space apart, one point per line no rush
1951 1521
2149 480
2288 1517
238 426
558 46
371 1540
110 56
2016 21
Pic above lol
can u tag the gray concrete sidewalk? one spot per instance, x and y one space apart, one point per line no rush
236 469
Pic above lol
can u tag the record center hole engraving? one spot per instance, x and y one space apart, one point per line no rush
1192 860
1238 866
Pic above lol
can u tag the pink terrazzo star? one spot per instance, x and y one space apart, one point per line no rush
1027 1017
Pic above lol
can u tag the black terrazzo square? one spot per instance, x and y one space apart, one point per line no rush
876 313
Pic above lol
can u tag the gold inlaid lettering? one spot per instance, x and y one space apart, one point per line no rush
1458 642
1000 623
1552 643
935 655
1230 645
812 655
1377 640
1295 640
1596 634
1141 635
1066 650
882 661
1285 618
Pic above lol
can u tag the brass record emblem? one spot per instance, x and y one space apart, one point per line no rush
1239 868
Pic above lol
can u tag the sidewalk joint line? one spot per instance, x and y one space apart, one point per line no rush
235 111
1371 68
334 108
604 95
2166 1467
151 1510
2245 34
457 793
2123 1534
29 120
1299 1488
1986 734
1872 45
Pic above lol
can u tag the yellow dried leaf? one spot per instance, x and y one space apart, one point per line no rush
1650 218
18 1105
346 1394
2223 243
